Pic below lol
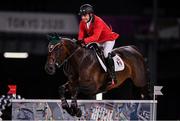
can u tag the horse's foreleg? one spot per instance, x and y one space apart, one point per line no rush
74 99
74 106
64 103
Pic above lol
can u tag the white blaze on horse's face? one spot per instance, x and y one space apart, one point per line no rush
52 54
51 58
57 53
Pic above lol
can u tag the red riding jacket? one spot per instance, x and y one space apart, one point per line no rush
98 31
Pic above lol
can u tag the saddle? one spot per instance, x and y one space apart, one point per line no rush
97 49
118 62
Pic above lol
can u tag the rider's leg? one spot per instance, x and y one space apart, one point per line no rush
108 46
111 67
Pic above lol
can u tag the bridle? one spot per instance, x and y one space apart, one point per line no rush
58 63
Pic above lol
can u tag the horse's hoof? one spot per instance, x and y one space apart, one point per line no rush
78 112
74 105
65 105
142 96
70 111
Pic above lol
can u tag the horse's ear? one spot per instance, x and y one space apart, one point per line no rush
53 38
48 36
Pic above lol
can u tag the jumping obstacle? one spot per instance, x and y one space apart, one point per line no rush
103 110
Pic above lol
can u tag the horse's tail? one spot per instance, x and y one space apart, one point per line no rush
149 84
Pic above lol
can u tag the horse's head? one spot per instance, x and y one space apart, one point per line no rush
58 50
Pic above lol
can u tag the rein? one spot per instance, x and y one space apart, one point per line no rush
60 65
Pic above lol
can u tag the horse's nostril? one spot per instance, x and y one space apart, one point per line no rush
50 69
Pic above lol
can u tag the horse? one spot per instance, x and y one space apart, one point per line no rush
86 76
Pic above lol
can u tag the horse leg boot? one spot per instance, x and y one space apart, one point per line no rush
74 106
111 68
64 103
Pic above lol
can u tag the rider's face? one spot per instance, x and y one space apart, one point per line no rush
85 17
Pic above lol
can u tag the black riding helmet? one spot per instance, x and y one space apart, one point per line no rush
85 9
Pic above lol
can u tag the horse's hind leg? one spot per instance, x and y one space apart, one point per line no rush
145 92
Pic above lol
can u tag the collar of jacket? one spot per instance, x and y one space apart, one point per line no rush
91 19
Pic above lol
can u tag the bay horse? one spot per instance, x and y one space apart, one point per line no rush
85 74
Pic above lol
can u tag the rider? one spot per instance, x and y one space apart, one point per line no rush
93 29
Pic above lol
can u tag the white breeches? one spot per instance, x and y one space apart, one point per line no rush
108 46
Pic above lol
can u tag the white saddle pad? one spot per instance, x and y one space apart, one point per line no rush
118 63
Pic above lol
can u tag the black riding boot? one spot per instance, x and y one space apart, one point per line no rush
111 68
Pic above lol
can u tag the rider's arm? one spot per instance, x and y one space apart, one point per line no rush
81 31
96 34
